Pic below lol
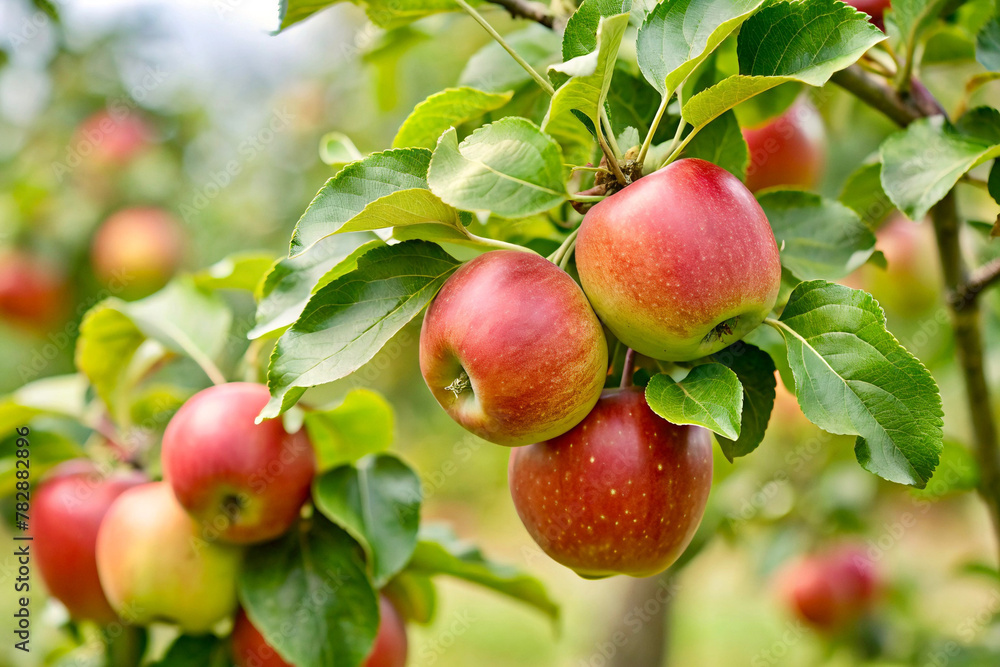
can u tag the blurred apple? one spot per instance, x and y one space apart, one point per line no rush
155 566
874 8
789 150
32 290
66 512
250 649
112 138
137 250
829 591
245 481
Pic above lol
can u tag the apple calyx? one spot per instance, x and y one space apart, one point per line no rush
460 384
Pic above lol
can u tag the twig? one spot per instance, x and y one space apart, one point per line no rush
628 369
981 278
527 10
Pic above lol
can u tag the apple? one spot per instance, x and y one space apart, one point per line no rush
512 350
155 566
789 150
875 10
831 590
137 250
32 290
680 263
250 649
244 481
112 139
66 512
621 493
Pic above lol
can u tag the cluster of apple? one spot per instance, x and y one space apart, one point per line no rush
124 547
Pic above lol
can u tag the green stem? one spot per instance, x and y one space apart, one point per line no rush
495 243
545 85
587 198
569 242
664 103
611 133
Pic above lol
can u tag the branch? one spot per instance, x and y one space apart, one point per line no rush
981 278
527 10
900 108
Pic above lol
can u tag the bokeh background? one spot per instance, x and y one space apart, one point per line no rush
206 87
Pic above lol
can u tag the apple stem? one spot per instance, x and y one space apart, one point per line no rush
628 369
545 85
563 251
501 245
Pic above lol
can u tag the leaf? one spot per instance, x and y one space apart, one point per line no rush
291 12
378 503
195 651
357 185
493 70
362 424
787 41
590 74
444 110
988 45
242 271
580 36
864 195
853 378
922 163
755 371
440 552
337 150
993 181
184 319
721 142
818 238
912 18
293 280
348 321
678 35
414 596
309 596
395 13
508 167
710 396
47 447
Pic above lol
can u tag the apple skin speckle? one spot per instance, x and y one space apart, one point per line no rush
640 482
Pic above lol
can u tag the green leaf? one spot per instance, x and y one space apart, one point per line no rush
357 185
755 371
440 552
988 45
378 503
395 13
508 167
922 163
787 41
444 110
632 102
590 74
580 36
993 181
710 396
678 35
864 195
362 424
293 280
309 596
818 238
181 317
348 321
493 70
912 18
853 378
292 11
721 142
242 271
414 596
337 150
196 651
48 448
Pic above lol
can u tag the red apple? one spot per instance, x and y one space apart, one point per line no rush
874 8
112 138
622 493
32 290
680 263
137 250
832 590
66 512
789 150
244 481
512 350
250 649
155 565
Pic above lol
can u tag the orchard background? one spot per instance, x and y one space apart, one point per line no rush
216 136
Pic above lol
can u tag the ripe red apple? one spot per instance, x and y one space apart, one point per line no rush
112 138
137 250
32 290
789 150
874 8
831 590
621 493
66 512
155 565
250 649
244 481
512 350
680 263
